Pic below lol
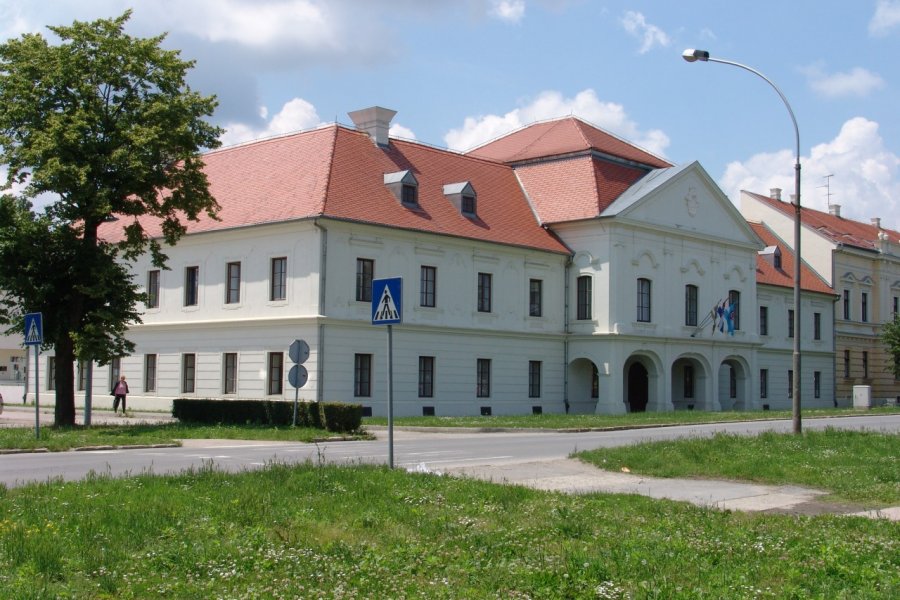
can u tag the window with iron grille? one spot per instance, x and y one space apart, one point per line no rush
690 305
365 270
535 297
483 378
149 372
584 298
426 377
188 373
643 300
763 320
763 383
229 373
534 379
428 286
485 281
362 375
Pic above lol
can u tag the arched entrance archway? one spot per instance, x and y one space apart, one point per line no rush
584 387
638 388
733 384
689 381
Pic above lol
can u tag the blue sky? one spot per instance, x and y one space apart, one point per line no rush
461 72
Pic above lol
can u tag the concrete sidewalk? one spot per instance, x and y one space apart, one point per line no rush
573 476
19 415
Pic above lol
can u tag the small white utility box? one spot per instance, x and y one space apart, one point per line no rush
862 396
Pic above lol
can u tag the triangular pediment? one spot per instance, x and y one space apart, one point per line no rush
684 199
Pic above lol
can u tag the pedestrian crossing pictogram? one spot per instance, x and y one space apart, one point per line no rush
387 301
34 329
387 309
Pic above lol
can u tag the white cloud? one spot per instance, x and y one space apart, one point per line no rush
649 35
295 115
552 104
886 17
399 131
856 82
866 180
507 10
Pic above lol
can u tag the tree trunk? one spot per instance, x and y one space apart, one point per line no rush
64 414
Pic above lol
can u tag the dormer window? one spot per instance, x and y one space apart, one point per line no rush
462 195
772 255
404 186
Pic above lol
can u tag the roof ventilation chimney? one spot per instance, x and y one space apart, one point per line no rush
775 193
876 222
375 121
834 210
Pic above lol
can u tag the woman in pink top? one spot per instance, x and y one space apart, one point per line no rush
119 391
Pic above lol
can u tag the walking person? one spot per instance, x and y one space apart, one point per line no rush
120 390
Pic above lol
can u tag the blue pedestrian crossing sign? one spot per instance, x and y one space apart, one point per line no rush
34 329
387 301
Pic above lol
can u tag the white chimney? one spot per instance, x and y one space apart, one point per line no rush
876 222
375 121
834 210
775 193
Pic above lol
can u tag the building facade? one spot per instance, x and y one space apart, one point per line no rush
556 269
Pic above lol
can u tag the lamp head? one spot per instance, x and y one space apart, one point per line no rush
692 55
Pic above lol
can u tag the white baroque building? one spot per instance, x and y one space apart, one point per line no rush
558 268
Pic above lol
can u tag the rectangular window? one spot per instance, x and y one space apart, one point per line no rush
896 305
188 373
534 379
763 320
865 360
229 373
688 381
191 286
409 194
817 384
864 307
115 369
817 326
232 283
362 375
535 297
643 300
81 373
426 377
790 326
763 383
365 270
595 381
846 305
149 372
484 292
734 303
483 378
51 373
275 375
153 289
846 364
790 383
468 204
428 286
585 296
278 279
690 305
732 383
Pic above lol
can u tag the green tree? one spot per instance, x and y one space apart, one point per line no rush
890 335
105 124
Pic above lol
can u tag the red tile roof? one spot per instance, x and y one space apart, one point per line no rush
575 188
767 274
837 229
559 137
338 172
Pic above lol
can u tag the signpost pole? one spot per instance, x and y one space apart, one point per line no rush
390 382
37 396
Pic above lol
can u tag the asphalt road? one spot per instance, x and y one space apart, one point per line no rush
416 450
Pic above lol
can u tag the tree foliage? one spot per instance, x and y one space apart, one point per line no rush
104 123
890 335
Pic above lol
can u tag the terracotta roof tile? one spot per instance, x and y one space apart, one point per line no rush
837 229
766 273
562 136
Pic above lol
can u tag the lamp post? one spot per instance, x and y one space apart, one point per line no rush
692 55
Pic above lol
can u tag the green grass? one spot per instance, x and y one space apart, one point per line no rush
65 438
853 466
367 532
645 419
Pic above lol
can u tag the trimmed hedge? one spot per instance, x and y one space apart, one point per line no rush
332 416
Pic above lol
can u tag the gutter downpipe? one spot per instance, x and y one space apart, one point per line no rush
320 340
566 337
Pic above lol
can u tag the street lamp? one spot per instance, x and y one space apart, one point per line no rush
691 55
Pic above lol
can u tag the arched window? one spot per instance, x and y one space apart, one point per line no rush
584 298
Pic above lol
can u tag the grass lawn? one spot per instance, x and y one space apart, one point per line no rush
645 419
862 468
66 438
368 532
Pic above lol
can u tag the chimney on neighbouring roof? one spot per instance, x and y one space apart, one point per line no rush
375 121
834 210
775 193
876 222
